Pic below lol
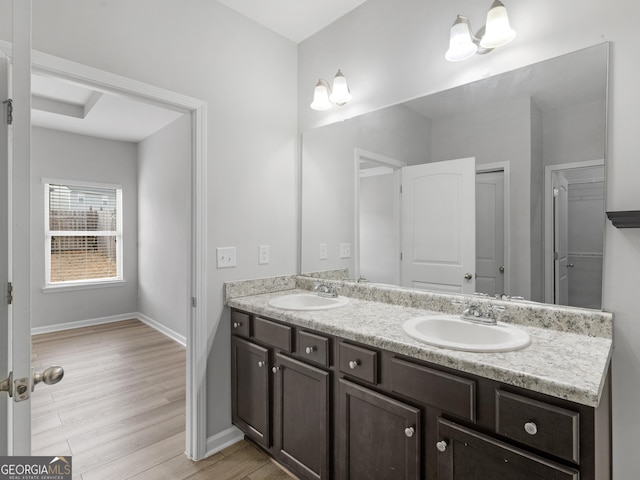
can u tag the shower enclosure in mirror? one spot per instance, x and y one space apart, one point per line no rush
502 185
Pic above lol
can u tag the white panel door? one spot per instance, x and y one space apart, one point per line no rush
438 226
490 233
561 239
4 251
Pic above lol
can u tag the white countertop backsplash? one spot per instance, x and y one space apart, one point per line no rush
568 357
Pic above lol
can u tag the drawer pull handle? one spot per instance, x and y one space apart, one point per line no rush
275 369
261 364
409 431
531 428
236 324
310 350
441 446
353 364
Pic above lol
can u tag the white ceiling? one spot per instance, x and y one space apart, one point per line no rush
296 20
61 105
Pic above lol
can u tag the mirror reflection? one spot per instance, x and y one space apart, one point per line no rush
494 187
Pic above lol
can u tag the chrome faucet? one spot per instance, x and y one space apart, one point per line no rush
326 290
474 313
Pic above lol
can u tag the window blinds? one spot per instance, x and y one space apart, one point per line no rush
83 235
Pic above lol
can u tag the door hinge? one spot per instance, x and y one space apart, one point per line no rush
556 256
400 256
400 189
9 293
9 104
556 192
194 302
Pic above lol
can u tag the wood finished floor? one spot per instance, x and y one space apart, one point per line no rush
120 409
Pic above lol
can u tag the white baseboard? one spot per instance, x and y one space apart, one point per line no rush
83 323
112 319
222 440
181 339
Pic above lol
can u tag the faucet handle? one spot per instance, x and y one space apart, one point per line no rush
493 310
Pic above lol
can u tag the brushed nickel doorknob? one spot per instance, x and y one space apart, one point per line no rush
501 269
468 276
50 376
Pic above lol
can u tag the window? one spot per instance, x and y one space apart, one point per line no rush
83 233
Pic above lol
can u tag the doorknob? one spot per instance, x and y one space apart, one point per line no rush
570 265
501 269
50 376
468 276
19 388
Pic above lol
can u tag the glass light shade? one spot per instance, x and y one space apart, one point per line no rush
321 96
498 32
461 45
340 93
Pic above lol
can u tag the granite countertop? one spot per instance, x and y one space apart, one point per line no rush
562 364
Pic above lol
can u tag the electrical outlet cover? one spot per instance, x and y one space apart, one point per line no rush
345 250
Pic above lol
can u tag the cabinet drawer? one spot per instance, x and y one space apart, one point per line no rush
239 323
314 348
280 336
542 426
447 392
358 362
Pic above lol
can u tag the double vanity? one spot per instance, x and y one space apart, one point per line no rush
387 383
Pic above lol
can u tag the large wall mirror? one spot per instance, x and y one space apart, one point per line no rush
494 187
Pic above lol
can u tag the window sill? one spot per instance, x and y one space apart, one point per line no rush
68 287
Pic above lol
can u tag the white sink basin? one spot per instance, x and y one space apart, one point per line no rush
307 301
451 332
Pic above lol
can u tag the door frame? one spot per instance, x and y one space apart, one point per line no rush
396 165
549 171
503 167
196 338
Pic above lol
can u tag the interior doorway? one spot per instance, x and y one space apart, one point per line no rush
196 347
574 233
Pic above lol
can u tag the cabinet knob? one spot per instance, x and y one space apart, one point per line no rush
310 350
261 364
409 431
441 446
236 324
353 364
531 428
275 369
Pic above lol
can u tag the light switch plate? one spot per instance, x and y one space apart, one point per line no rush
345 250
263 254
226 257
323 251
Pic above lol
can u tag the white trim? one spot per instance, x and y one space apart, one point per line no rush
505 168
172 334
58 327
222 440
81 183
548 260
197 335
82 285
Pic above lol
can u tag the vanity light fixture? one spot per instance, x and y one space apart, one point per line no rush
323 94
497 32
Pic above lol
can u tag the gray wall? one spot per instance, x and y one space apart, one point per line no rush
399 54
77 157
164 222
207 51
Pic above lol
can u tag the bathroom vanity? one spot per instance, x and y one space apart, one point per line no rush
346 394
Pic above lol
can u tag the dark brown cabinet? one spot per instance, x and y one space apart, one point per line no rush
279 402
330 408
301 417
250 393
465 454
379 437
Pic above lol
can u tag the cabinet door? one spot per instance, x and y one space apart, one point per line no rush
379 438
301 418
465 454
250 390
